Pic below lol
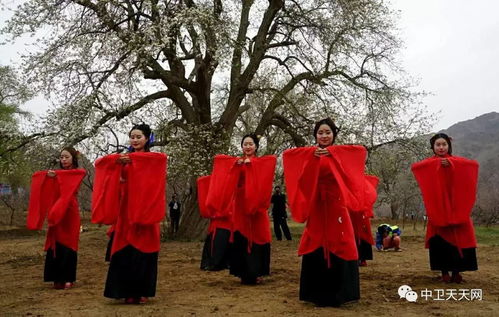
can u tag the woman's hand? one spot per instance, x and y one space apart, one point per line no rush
243 160
321 152
444 162
51 173
124 159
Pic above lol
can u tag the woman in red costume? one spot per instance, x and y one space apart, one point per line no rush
324 182
53 195
129 193
239 195
448 184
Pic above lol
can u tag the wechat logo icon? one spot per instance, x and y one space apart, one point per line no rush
405 291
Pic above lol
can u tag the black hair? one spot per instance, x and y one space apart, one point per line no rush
146 129
329 122
255 140
74 156
383 228
441 136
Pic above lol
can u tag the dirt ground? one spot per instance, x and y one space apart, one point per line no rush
184 290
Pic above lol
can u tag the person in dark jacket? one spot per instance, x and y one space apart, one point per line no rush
174 213
279 214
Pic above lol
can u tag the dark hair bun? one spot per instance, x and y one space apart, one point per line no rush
145 128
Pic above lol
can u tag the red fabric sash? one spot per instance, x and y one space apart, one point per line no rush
54 198
136 206
321 191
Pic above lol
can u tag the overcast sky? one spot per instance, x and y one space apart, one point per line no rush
451 46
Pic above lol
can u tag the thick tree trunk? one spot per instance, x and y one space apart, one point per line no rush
394 210
192 225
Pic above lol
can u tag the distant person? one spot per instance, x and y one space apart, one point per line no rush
56 191
448 184
279 214
174 212
388 237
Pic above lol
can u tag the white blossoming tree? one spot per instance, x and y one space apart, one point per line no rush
203 72
12 94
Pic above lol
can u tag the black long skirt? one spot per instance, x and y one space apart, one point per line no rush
216 255
328 286
60 268
249 265
132 273
365 251
107 258
445 257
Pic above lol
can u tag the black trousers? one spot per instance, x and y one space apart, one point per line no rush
280 222
175 217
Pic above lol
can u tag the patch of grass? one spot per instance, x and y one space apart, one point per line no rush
487 235
295 228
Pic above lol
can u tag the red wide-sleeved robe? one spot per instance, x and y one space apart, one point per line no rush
321 190
131 197
243 191
449 194
54 198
